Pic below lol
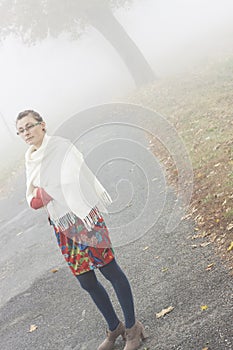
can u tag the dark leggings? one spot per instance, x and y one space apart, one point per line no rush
120 283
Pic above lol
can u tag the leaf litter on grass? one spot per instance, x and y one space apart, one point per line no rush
199 105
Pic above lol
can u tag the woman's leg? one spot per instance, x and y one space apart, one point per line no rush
120 283
89 282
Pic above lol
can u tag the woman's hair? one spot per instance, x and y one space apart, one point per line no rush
27 112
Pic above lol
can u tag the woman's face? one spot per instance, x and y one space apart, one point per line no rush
35 134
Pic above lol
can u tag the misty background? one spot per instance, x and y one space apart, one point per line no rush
59 77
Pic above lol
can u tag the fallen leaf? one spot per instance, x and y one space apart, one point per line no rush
164 269
18 234
54 270
200 235
209 267
195 236
164 312
219 194
213 238
205 348
204 307
214 149
154 179
224 202
198 132
204 244
205 234
33 327
229 227
145 248
230 247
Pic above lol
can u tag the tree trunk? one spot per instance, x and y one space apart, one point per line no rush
101 18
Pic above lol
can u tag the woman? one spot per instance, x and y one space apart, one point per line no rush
59 180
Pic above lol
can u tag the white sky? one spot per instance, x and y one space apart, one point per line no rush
59 77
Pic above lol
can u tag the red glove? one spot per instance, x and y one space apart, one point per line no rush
42 198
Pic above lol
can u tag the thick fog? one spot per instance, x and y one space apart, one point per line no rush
59 77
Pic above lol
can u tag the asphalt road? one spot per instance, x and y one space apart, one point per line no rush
164 270
168 272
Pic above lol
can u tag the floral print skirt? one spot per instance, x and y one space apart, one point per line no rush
82 249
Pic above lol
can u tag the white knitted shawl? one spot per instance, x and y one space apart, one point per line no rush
59 168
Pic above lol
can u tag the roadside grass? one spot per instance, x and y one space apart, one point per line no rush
199 104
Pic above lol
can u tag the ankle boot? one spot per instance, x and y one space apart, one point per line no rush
134 336
108 343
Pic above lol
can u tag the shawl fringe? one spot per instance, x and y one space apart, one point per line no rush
63 223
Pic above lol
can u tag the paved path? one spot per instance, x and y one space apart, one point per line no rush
163 268
169 272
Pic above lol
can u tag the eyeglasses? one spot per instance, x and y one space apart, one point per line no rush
28 127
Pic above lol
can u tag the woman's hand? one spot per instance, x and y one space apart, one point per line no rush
40 198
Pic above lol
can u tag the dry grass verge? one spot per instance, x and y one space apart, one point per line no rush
199 105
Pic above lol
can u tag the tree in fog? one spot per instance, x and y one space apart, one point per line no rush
35 20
